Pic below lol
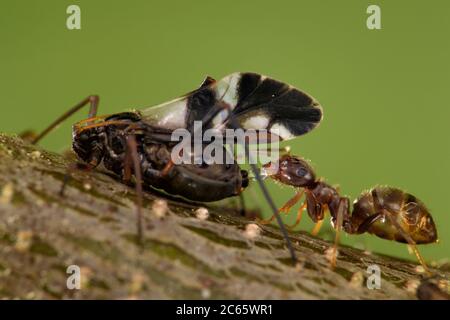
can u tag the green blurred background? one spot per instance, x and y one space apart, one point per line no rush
384 92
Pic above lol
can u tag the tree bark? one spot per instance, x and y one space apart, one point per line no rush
93 226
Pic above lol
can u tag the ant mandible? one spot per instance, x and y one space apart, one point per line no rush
386 212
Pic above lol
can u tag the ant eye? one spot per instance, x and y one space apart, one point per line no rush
301 172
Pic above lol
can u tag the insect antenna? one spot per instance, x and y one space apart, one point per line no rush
92 100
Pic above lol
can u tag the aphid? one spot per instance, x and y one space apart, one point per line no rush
139 142
386 212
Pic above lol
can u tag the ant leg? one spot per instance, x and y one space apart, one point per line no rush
299 215
367 223
291 202
133 155
286 207
410 241
317 227
319 223
92 100
342 209
266 221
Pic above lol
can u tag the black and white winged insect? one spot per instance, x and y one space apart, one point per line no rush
139 142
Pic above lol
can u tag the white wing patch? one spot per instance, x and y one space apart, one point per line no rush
169 115
219 120
257 122
281 131
226 89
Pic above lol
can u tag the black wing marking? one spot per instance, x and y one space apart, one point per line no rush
287 109
258 102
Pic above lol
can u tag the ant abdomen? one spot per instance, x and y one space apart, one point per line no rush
379 210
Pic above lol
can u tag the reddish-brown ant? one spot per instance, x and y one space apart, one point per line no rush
386 212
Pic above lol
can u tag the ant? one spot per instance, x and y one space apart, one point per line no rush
386 212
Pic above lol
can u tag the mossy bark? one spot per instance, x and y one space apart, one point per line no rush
94 227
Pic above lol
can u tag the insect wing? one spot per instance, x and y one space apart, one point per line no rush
256 101
262 103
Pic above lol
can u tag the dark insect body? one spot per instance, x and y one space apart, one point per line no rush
195 182
386 212
139 142
255 101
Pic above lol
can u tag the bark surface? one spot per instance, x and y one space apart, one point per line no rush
182 256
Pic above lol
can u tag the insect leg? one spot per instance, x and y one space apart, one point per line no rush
368 222
286 207
133 155
92 100
317 227
319 223
299 215
70 169
242 204
408 238
292 202
235 125
341 211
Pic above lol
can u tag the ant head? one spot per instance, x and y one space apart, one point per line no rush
88 145
291 170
